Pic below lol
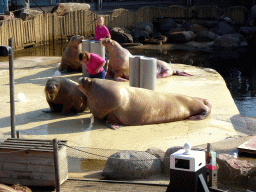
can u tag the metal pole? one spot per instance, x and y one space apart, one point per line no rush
56 165
12 90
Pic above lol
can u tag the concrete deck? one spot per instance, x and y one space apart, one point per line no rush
224 128
223 122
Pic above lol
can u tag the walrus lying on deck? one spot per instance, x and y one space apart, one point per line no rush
123 105
118 66
64 96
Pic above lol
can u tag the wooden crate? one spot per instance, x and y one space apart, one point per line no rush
31 162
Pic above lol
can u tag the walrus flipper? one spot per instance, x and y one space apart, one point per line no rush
114 125
48 111
182 73
204 114
53 108
112 122
200 116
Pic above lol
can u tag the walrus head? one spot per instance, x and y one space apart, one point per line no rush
106 41
52 88
76 39
84 84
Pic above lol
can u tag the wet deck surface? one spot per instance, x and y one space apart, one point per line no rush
91 186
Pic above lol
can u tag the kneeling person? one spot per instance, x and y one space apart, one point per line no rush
94 64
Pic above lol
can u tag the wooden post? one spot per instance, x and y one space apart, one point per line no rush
18 134
56 165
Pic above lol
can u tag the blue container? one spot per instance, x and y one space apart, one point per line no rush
3 6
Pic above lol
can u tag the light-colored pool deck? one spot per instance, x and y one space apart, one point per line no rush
224 121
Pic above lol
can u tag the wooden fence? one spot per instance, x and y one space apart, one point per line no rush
48 27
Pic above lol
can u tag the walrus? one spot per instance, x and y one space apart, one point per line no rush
121 105
62 9
69 60
64 96
118 66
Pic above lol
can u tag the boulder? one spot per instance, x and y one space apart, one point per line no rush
252 16
180 37
246 31
175 30
155 40
167 24
252 183
139 35
233 172
251 40
223 28
137 165
158 153
166 162
230 41
209 24
28 14
205 36
144 26
120 36
196 28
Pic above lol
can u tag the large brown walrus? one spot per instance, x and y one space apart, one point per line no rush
123 105
118 66
64 96
69 60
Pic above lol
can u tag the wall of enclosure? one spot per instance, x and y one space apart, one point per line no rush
48 27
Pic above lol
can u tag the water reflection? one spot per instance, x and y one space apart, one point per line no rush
236 67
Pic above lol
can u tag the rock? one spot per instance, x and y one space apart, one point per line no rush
230 41
166 162
252 16
167 24
209 24
144 26
120 36
155 40
28 14
196 28
175 30
205 36
158 153
252 183
232 171
63 8
139 165
223 28
139 35
252 40
180 37
246 31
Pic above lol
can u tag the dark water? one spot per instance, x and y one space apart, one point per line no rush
236 67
